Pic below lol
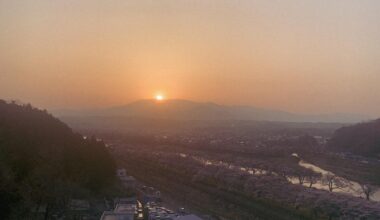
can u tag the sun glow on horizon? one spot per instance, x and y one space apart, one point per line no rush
159 97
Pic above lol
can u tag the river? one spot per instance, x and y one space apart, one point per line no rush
353 189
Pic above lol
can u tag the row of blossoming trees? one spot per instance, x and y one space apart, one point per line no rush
270 183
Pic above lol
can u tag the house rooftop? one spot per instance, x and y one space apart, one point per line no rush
109 215
125 208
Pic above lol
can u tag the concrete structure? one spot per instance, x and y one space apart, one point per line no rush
110 215
128 182
125 208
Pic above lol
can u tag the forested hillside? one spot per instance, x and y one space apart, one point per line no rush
362 139
43 162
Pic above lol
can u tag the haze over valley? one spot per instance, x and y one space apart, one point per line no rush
189 110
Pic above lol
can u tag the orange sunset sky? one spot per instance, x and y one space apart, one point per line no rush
297 55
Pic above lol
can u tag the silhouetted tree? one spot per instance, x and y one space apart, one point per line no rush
368 190
334 182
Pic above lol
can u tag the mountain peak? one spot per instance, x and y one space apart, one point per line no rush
181 109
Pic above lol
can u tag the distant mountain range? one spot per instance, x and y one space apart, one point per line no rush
188 110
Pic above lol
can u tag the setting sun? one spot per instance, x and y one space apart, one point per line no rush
159 97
